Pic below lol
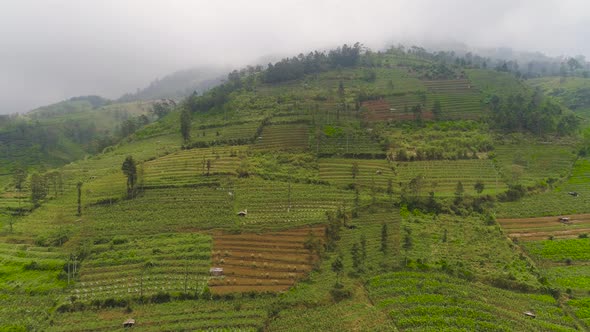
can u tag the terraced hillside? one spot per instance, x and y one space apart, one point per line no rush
442 176
335 195
419 301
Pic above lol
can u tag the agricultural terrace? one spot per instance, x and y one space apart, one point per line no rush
440 140
442 176
12 200
399 107
292 115
292 137
557 201
162 211
281 205
132 266
464 246
533 229
367 173
459 86
201 315
420 301
494 82
566 266
264 262
368 227
240 132
571 91
190 167
31 280
355 314
532 164
337 140
385 81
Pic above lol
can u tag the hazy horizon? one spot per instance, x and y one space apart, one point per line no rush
57 49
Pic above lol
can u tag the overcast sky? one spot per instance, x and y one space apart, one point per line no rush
51 50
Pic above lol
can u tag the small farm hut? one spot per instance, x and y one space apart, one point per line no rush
216 271
243 213
564 219
129 323
529 314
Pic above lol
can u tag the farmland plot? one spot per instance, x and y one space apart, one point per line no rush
556 201
134 266
190 167
441 176
292 137
371 171
531 229
565 264
279 205
201 315
265 262
419 301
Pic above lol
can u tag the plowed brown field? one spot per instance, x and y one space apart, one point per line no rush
531 229
267 262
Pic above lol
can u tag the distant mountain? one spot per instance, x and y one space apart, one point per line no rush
179 84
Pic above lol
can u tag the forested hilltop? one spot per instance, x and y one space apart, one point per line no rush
398 190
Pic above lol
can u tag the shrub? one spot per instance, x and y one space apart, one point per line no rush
120 240
339 293
161 297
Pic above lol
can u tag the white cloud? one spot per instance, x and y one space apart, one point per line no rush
53 49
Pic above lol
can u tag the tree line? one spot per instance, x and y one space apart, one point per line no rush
535 114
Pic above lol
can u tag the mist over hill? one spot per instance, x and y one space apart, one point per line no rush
179 84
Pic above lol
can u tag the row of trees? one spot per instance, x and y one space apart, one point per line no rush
314 62
537 114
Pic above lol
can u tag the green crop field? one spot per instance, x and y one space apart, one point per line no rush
556 201
419 301
441 176
531 164
493 82
327 192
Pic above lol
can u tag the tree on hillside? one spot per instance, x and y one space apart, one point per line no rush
417 111
341 90
185 125
479 186
356 257
459 190
573 64
355 169
384 237
19 177
437 110
160 109
79 187
129 168
208 165
38 188
338 268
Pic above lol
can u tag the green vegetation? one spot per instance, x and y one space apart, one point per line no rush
339 190
420 301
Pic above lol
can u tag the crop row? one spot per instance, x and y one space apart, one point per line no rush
259 262
200 315
284 137
419 301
